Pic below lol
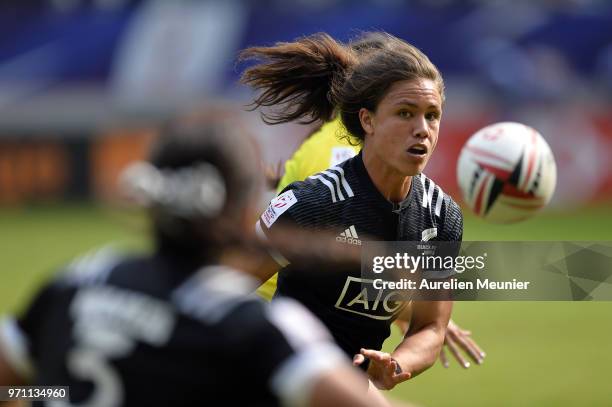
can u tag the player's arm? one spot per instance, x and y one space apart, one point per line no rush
15 366
425 337
268 228
288 230
256 261
304 365
402 322
418 350
8 375
18 339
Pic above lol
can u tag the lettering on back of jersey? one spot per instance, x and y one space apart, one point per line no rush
111 320
278 206
359 296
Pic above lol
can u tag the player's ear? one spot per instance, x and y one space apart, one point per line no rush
367 121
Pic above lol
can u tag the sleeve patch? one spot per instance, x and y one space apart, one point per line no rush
277 207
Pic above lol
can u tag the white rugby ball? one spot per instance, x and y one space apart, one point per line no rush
506 172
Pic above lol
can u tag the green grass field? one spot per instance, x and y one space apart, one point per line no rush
538 353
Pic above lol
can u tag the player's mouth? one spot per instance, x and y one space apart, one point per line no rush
418 150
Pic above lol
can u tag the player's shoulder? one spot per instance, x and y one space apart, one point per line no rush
111 266
332 185
213 293
432 197
223 297
92 267
314 199
300 199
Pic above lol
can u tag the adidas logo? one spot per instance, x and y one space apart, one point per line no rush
349 236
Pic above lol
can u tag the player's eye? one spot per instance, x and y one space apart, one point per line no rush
432 116
405 113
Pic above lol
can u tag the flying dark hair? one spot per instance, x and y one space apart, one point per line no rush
314 77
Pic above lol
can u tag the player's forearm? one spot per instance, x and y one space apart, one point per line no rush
419 350
8 375
425 337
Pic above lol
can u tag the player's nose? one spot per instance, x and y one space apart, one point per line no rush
420 129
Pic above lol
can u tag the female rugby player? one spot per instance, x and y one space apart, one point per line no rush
328 146
390 99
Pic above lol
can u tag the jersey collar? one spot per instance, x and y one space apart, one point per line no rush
363 178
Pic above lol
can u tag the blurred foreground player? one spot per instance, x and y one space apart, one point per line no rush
179 327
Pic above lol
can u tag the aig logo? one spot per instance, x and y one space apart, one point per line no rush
360 297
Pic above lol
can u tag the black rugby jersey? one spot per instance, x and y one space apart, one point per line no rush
343 200
155 331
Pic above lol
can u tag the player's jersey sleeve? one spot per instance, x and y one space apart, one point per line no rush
452 228
302 205
15 347
451 233
18 336
443 222
290 347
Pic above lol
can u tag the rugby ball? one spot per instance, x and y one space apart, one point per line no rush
506 172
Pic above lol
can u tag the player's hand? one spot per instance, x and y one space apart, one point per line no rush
383 370
458 339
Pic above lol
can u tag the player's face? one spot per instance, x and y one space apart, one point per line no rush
403 131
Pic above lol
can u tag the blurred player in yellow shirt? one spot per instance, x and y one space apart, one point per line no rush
323 149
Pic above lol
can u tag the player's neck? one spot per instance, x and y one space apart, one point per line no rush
393 185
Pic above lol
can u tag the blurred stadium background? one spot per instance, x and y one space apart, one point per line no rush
84 83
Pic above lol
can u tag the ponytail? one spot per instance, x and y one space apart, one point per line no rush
303 77
315 77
